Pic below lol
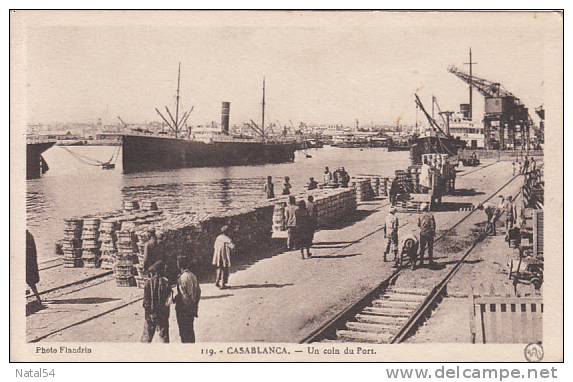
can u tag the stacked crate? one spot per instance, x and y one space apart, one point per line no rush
72 242
193 235
414 177
363 189
90 243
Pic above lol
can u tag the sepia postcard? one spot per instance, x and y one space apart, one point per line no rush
286 186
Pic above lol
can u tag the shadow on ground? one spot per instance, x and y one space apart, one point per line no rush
86 300
467 192
341 256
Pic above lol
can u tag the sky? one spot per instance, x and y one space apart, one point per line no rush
320 67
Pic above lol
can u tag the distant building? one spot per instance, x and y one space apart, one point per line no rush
462 127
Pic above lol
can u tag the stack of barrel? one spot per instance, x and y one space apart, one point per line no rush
385 184
123 267
108 239
130 205
72 243
279 223
90 243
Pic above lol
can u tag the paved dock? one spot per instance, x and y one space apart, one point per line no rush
278 297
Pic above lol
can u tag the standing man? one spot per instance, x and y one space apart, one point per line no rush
526 165
304 231
510 215
394 191
327 176
427 225
313 216
425 176
286 186
391 232
151 251
344 178
186 301
290 222
533 165
156 300
222 252
32 272
270 188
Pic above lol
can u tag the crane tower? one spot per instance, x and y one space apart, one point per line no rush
506 120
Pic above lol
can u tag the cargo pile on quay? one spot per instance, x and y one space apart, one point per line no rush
116 240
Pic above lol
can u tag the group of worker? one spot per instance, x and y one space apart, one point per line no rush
338 178
514 216
301 221
410 246
528 165
158 292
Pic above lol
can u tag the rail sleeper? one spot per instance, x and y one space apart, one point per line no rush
353 336
376 328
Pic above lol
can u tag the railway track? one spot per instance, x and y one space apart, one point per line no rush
387 313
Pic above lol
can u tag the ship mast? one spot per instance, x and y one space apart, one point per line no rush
176 123
177 101
263 117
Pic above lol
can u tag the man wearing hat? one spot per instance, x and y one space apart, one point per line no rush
222 257
156 299
151 251
391 233
186 300
427 225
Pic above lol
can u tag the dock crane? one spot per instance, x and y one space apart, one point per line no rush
505 114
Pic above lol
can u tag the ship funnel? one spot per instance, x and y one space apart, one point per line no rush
226 108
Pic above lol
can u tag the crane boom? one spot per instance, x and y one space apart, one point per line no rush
432 121
485 87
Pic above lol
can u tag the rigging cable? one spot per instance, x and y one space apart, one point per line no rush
90 161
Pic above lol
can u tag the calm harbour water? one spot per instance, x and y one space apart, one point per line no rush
72 188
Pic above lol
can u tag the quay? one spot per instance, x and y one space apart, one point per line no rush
274 296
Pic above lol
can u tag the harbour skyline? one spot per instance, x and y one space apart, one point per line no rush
360 69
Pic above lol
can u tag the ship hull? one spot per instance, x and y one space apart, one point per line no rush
34 165
148 153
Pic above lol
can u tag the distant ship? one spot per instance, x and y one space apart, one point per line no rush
145 152
35 163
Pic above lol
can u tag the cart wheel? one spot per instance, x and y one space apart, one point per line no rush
536 283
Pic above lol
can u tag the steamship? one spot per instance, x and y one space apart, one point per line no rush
145 152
